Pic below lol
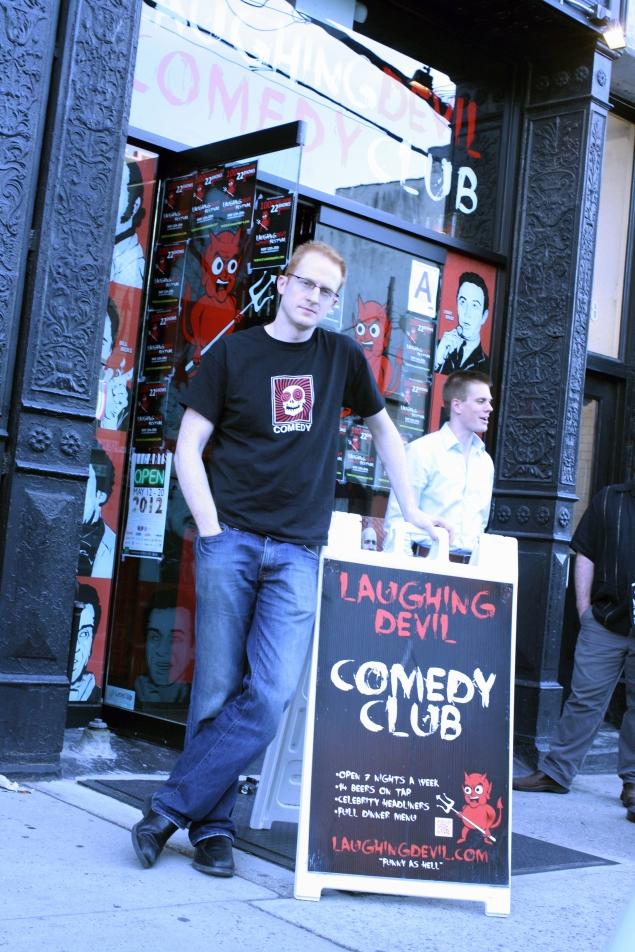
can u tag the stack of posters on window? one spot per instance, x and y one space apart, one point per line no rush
204 284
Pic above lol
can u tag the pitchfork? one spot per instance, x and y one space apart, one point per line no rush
447 804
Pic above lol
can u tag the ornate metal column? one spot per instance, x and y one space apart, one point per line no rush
65 87
544 362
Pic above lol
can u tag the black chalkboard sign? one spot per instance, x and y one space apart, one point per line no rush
409 740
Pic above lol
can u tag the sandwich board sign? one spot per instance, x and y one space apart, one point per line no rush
407 762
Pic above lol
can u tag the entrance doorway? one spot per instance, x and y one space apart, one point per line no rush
399 301
222 225
598 461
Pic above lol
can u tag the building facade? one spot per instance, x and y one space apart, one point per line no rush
425 154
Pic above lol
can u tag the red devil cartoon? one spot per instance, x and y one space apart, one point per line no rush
478 813
372 332
215 313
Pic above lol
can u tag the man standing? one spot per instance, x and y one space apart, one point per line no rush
450 471
604 577
460 348
270 398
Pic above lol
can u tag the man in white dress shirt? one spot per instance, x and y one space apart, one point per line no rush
450 471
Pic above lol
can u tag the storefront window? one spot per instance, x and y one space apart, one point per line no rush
418 317
396 152
383 129
612 235
389 306
222 233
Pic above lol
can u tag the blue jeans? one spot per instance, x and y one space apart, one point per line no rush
255 608
600 656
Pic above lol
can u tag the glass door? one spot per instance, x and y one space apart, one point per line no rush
400 302
389 306
223 228
597 467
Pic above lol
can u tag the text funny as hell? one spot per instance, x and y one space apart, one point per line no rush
389 687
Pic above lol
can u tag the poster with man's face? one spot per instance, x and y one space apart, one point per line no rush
464 325
88 640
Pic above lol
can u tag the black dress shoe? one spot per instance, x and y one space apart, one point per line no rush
628 795
150 835
213 855
538 782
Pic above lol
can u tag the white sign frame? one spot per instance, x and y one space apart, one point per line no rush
497 561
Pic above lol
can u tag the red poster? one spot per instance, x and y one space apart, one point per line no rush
102 502
210 305
464 328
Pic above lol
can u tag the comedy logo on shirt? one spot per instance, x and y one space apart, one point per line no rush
291 404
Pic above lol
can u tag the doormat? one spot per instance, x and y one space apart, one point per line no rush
277 845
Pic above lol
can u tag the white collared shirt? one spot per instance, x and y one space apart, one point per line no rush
447 484
128 262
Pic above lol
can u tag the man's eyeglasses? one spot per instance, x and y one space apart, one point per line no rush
327 296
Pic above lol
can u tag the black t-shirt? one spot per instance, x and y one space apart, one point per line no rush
606 536
275 407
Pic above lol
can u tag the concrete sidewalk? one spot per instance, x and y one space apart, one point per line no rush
71 881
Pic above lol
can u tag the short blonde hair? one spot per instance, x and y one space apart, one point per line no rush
320 247
456 385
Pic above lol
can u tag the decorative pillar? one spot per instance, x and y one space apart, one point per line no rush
544 363
65 87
